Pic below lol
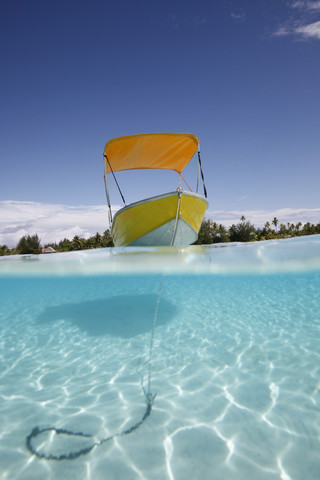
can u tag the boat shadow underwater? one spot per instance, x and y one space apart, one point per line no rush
123 316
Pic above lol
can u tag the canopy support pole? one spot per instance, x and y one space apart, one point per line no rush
108 200
107 160
202 176
198 176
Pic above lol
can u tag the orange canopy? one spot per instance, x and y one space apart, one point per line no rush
170 151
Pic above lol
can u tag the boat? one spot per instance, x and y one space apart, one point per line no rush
169 219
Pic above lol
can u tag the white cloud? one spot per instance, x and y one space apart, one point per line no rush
306 5
309 31
282 31
314 5
303 24
54 222
51 222
238 15
260 217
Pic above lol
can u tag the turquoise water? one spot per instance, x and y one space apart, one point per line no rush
235 361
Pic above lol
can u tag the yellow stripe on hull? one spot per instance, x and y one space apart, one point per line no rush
139 219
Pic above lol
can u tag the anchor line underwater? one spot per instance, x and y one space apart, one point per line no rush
149 397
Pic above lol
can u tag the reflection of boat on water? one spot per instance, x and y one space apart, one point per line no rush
170 219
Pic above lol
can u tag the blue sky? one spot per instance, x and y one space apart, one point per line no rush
244 76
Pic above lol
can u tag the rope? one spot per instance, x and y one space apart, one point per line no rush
154 324
185 181
179 190
149 397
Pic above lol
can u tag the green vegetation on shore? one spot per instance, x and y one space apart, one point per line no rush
245 231
32 244
210 232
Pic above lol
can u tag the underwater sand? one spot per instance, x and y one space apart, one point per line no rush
235 362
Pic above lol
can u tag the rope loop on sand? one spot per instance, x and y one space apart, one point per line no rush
83 451
149 397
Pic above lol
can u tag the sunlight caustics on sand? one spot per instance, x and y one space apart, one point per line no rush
235 361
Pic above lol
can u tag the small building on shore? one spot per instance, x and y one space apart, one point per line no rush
48 250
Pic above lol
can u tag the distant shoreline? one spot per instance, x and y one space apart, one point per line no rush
210 232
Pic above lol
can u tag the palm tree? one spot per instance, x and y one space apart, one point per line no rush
243 231
77 243
275 222
4 250
283 229
97 240
223 234
106 239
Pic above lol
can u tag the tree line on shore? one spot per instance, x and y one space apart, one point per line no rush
210 232
245 231
32 244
